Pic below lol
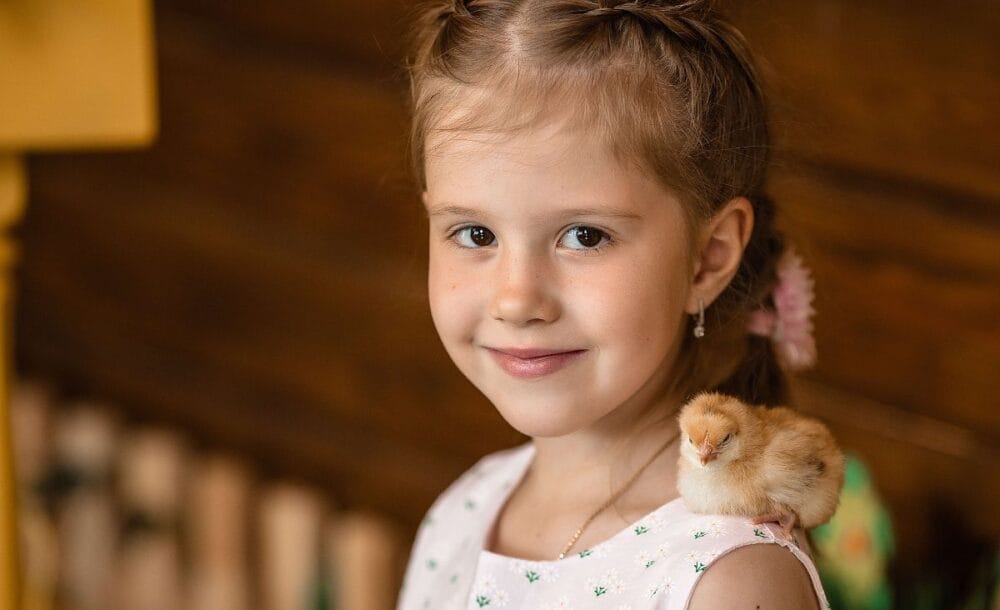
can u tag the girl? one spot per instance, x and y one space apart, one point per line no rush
599 243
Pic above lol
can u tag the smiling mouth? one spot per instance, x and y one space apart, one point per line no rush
533 363
529 354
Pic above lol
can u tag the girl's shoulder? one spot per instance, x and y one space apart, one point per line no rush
475 488
659 560
759 575
450 535
700 545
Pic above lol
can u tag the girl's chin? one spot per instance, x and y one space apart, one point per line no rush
544 422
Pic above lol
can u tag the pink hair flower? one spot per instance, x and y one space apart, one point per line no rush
789 325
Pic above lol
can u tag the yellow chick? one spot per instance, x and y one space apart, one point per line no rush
770 464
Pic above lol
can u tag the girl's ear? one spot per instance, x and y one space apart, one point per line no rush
721 246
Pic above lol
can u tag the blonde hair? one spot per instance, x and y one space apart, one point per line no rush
668 86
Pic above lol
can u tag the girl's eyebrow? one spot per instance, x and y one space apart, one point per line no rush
606 212
453 210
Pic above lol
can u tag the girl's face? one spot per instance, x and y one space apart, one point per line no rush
558 278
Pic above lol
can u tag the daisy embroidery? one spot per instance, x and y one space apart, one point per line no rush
488 594
596 552
716 529
560 604
646 558
698 561
759 530
533 571
478 492
649 524
663 588
608 583
474 498
435 554
708 528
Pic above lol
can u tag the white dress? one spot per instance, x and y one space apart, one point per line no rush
654 563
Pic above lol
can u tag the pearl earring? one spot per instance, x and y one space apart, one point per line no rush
699 329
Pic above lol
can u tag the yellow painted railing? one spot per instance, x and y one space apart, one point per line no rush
74 74
12 197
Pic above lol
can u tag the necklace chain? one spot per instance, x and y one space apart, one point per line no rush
614 497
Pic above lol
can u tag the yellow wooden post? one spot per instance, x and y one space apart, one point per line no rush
12 197
74 74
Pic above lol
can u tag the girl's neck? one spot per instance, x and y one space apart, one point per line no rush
589 465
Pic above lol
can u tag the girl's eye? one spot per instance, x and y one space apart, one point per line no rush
474 237
585 238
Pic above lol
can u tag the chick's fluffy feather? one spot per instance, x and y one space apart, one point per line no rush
756 461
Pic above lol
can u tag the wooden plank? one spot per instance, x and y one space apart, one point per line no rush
897 88
367 37
305 142
906 294
920 465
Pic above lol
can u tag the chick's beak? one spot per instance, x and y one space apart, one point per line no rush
706 453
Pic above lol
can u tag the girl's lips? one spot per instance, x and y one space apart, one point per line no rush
537 366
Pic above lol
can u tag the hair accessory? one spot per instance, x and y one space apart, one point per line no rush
699 330
789 325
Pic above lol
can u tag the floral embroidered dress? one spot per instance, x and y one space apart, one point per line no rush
652 564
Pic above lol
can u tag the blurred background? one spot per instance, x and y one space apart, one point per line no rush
225 389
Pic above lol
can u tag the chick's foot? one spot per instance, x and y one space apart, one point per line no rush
786 521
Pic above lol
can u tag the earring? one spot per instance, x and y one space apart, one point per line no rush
699 329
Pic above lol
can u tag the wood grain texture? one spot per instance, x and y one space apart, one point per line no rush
907 290
906 90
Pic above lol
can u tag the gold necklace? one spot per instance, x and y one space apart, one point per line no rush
614 497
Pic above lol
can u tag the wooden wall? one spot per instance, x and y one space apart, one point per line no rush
258 275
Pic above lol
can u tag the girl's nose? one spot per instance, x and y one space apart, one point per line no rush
524 292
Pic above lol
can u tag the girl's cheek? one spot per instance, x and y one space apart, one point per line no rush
452 290
446 276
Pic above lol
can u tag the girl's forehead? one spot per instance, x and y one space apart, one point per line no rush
493 118
556 164
545 142
533 183
563 159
